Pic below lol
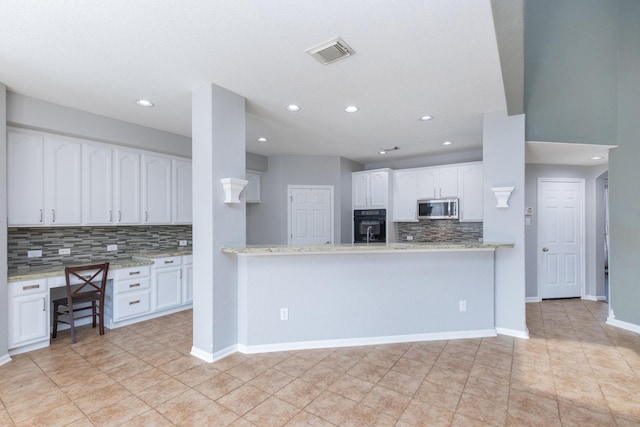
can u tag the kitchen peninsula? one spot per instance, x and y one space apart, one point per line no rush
343 295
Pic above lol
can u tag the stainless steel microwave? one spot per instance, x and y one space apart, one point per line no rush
438 209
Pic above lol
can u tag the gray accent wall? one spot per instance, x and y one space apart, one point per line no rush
4 291
267 221
32 113
581 85
594 224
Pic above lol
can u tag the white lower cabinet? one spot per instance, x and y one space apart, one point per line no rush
187 279
130 293
28 313
166 280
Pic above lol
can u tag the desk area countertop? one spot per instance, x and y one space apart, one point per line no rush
365 248
136 260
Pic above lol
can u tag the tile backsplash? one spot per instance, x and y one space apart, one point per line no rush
89 243
439 230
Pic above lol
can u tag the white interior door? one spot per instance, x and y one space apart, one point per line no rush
560 238
310 215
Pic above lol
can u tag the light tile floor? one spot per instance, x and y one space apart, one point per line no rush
574 371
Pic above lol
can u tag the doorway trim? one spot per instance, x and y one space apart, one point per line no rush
290 189
581 182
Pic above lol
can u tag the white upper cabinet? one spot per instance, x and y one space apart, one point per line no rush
471 194
437 182
156 189
370 189
44 180
25 177
97 185
126 187
405 200
182 189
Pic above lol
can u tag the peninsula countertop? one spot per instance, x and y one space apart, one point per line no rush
365 248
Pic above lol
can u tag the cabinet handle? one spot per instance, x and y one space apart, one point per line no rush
434 192
134 302
146 216
119 216
53 215
134 285
44 304
111 216
169 262
131 273
26 288
440 192
41 215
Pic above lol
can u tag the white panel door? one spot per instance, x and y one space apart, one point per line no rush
448 182
166 287
471 195
97 185
63 183
25 198
360 190
379 189
560 238
428 183
156 189
310 215
126 188
182 191
28 319
405 200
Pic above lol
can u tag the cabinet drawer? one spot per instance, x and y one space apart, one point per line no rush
131 304
28 287
170 261
132 272
121 286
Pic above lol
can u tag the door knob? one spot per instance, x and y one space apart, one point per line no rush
545 249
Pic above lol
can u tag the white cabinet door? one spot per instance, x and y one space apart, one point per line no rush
126 188
252 190
181 191
28 313
360 189
156 189
25 198
448 182
63 181
379 189
166 287
428 183
405 199
97 185
187 283
471 193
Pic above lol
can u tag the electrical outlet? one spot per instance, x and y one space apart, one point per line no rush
182 243
284 313
64 251
409 238
34 254
112 248
463 305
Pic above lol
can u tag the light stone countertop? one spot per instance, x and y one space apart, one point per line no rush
163 253
364 248
33 273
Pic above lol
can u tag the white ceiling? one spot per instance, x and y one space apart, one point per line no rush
414 57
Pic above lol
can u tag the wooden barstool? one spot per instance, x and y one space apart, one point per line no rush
86 286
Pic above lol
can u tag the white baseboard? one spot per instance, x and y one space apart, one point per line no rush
594 298
30 347
513 333
623 325
213 357
353 342
5 359
532 299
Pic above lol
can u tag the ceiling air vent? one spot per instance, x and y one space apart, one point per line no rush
331 51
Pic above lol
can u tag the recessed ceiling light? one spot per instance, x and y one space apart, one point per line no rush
426 118
293 108
262 139
144 103
447 143
351 109
597 158
382 152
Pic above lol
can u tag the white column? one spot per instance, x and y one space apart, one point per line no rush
4 292
503 161
218 149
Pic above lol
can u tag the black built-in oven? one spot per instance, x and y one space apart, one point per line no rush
369 226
